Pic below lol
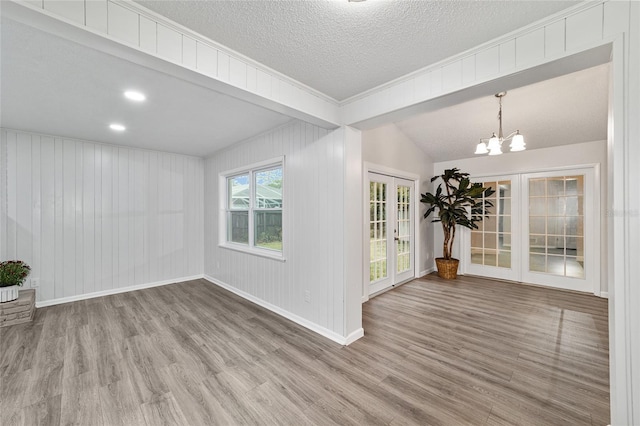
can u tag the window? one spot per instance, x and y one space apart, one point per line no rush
253 219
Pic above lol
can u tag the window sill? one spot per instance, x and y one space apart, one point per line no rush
255 252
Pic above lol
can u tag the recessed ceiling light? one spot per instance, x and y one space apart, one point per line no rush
134 96
117 127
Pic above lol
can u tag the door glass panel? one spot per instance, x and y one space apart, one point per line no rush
559 248
403 229
491 242
378 231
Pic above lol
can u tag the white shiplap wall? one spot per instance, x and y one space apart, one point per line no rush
95 219
313 229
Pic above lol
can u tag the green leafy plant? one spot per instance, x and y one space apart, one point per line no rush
13 272
459 203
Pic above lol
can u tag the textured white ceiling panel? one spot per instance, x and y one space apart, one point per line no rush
561 111
343 48
54 86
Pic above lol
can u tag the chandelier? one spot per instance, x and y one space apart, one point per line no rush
493 145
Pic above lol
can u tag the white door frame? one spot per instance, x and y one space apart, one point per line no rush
384 170
596 216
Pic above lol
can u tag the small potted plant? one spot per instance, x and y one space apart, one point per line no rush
12 275
460 203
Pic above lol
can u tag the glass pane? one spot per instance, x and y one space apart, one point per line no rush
504 259
378 235
268 229
238 192
476 239
504 241
563 243
269 188
555 244
575 267
490 240
556 206
491 230
537 206
574 185
537 187
490 258
537 263
537 243
555 265
494 186
536 225
238 227
504 224
504 206
555 225
505 188
476 256
490 224
555 186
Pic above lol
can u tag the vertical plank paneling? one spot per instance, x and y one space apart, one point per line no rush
79 220
123 24
3 193
69 218
313 231
23 218
85 215
36 207
11 197
48 213
88 217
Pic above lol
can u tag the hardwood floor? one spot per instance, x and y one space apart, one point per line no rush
472 351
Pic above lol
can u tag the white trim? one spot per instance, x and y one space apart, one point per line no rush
355 335
558 16
604 294
261 252
427 271
325 332
109 292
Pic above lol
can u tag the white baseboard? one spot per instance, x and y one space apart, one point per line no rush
604 294
93 295
352 337
427 271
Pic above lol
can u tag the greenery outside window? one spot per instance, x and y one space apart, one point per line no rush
253 204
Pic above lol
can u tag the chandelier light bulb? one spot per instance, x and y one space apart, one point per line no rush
494 143
481 148
495 151
517 143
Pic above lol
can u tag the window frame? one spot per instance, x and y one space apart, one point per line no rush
225 209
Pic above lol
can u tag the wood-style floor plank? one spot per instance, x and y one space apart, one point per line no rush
465 352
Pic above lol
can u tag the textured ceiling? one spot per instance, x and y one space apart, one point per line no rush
565 110
343 48
54 86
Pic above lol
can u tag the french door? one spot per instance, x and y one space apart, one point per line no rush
543 229
391 231
493 250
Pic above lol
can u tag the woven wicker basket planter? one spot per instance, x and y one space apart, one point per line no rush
447 269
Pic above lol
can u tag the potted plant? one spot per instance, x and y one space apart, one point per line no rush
12 275
460 203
